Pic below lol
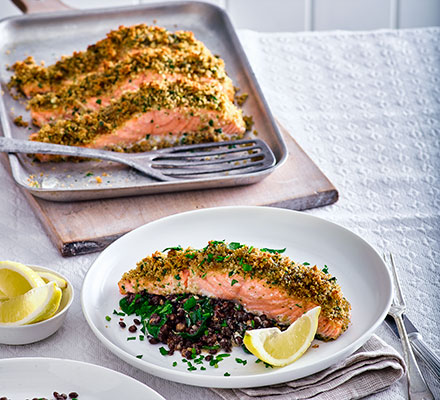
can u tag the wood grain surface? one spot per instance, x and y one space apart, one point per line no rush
89 226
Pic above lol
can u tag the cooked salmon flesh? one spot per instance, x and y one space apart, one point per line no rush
139 89
262 280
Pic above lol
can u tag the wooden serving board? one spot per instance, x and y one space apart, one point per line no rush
89 226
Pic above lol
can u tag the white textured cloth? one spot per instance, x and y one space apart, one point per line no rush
366 108
372 368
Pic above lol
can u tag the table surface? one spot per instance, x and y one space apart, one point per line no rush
366 107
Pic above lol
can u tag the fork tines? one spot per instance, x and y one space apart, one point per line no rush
214 158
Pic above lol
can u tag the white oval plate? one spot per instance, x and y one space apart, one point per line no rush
26 378
360 271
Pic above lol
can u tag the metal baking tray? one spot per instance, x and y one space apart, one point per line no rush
49 36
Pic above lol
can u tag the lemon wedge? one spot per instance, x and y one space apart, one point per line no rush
49 277
35 305
282 348
16 279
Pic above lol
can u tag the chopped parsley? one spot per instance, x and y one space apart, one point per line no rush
235 246
233 282
107 318
190 303
163 351
240 361
325 269
247 267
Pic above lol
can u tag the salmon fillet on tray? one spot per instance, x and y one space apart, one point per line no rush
139 89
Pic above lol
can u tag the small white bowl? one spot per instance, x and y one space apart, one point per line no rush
26 334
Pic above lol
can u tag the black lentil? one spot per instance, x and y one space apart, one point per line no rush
206 324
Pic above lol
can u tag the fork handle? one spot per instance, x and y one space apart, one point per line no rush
417 387
9 145
430 358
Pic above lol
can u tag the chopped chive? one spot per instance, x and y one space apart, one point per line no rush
141 338
273 251
298 305
108 318
131 338
174 363
233 282
172 248
306 263
250 249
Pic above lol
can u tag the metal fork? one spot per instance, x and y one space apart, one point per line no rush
417 387
182 162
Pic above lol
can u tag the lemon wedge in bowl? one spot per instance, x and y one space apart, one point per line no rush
35 305
49 277
16 279
282 348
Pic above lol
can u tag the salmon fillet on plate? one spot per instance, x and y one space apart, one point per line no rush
263 281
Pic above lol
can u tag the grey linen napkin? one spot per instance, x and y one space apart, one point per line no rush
372 368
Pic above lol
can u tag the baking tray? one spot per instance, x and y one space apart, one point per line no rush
49 36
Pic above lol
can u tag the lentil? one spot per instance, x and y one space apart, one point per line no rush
207 324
